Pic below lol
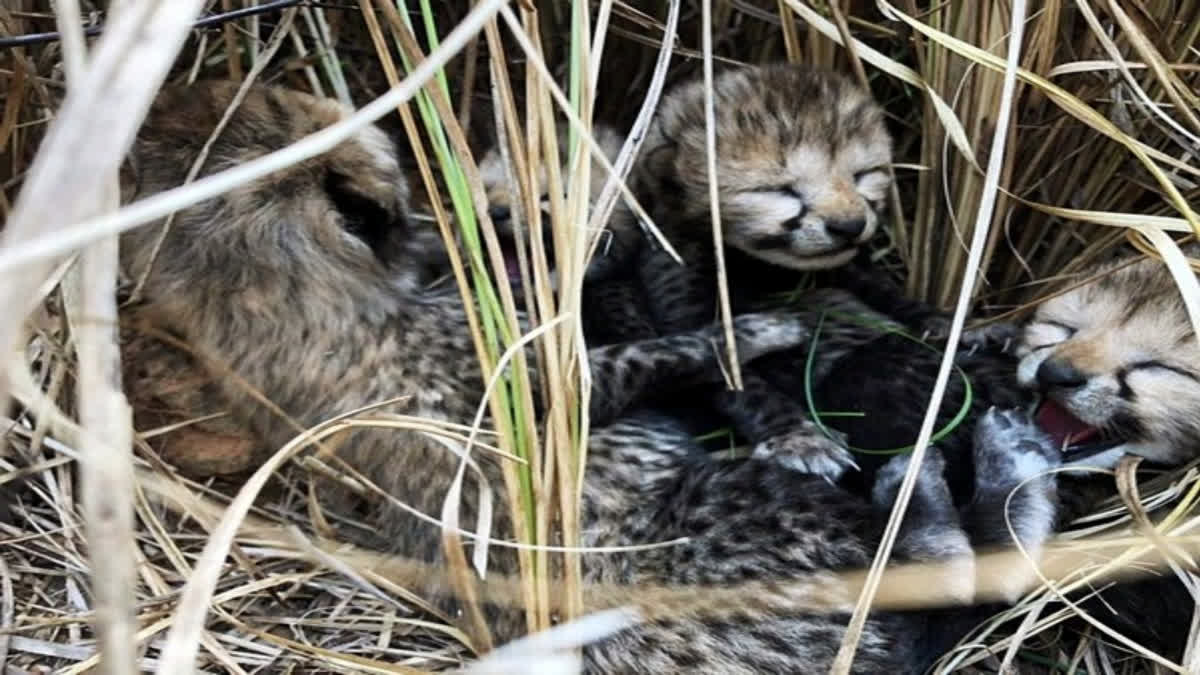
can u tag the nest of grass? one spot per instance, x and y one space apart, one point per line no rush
1099 150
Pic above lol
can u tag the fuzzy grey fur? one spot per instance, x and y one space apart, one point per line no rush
307 284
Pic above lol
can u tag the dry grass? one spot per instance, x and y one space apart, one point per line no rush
1100 149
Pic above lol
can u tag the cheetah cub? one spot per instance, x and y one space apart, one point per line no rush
621 236
1115 361
307 285
614 308
802 174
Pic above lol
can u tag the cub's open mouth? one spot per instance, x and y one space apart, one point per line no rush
1077 439
512 263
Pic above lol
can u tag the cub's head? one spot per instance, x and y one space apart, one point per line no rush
333 228
802 163
1119 366
621 229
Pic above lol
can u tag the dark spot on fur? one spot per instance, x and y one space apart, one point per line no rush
362 217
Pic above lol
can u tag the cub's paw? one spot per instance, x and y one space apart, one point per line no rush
992 337
765 332
807 449
889 476
1000 336
935 328
1009 449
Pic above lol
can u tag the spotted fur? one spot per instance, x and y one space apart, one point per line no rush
803 161
306 284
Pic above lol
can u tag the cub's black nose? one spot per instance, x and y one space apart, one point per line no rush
1059 373
851 228
499 214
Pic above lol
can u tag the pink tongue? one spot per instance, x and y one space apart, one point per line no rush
1062 426
512 266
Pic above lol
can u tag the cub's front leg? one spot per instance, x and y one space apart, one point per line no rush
625 374
779 428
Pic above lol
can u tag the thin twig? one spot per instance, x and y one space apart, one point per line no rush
710 143
211 20
845 655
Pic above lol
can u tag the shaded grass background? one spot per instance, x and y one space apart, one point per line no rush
1133 64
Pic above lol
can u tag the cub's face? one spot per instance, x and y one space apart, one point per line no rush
1119 366
802 163
502 195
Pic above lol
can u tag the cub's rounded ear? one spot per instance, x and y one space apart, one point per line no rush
130 178
655 163
362 216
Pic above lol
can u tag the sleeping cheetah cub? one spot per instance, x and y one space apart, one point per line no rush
802 173
1113 364
1116 362
304 283
621 236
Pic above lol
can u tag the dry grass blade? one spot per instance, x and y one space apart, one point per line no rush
129 64
106 446
710 146
578 126
29 252
845 656
1181 271
179 654
637 133
91 134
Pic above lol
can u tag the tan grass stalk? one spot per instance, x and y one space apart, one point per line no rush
733 368
502 417
637 133
106 448
27 251
845 657
273 44
80 157
547 80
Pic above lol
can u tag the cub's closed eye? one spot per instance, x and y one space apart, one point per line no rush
789 190
1162 367
1042 334
1068 329
874 172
